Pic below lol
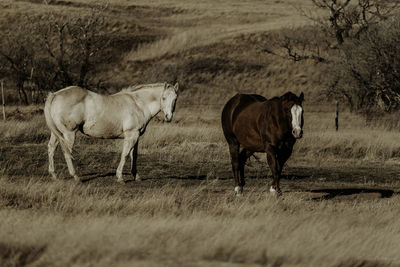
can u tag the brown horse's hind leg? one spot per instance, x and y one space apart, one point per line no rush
243 156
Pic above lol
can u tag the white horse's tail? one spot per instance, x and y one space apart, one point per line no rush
52 126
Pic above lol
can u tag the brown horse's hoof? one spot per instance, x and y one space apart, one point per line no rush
238 191
275 192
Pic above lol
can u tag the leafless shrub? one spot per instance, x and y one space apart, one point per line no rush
362 68
345 19
73 45
54 51
340 20
297 44
17 57
366 71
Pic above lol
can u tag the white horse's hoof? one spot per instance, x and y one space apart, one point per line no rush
77 179
121 181
238 191
53 176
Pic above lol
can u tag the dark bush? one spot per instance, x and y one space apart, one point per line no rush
366 71
53 51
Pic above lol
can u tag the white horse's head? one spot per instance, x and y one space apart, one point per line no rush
168 100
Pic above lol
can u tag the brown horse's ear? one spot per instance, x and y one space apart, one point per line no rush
301 97
176 87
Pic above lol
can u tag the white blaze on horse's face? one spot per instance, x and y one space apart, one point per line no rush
297 112
168 100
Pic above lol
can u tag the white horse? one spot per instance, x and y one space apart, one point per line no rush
121 115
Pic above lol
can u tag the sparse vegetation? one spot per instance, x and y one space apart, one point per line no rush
365 72
347 19
341 189
185 212
54 51
354 45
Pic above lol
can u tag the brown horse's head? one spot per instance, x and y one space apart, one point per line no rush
292 105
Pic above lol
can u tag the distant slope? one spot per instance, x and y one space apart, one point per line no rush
213 48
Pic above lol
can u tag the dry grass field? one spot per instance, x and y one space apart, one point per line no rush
341 190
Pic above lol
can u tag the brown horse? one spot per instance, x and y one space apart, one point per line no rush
251 123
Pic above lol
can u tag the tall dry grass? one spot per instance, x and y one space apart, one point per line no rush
184 213
198 130
183 221
65 224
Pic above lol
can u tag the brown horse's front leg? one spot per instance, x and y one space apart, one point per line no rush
275 169
234 151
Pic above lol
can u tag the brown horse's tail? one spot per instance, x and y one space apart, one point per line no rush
53 127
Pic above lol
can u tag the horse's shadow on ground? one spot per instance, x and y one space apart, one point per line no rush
335 192
294 177
93 176
290 177
201 177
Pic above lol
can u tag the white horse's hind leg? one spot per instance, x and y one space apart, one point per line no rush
51 148
133 155
131 138
70 138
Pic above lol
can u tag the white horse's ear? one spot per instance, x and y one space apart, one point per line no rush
165 85
176 86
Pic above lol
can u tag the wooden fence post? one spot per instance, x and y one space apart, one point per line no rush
337 116
2 97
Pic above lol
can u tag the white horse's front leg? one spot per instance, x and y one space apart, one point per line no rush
131 138
133 155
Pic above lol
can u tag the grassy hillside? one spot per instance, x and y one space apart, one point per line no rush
213 49
340 189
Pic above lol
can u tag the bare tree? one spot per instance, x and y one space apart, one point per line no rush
52 52
17 57
349 18
366 71
297 44
74 44
337 16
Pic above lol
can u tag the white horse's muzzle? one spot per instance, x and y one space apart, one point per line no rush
168 117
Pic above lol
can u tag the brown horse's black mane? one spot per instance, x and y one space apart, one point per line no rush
289 96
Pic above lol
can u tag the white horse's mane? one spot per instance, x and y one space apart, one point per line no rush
133 88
